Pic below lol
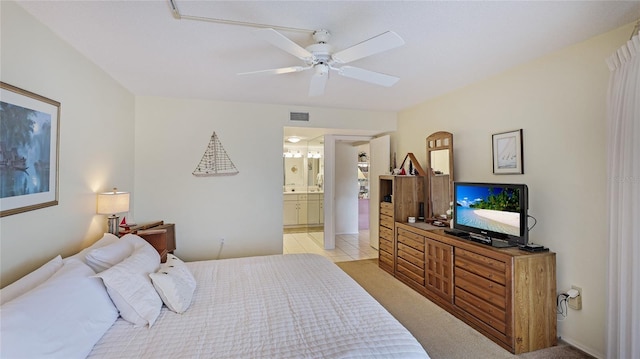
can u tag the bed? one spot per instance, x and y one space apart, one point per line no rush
279 306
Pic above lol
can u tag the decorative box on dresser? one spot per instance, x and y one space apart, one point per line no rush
506 294
400 198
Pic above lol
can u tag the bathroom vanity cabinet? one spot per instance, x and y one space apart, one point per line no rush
301 209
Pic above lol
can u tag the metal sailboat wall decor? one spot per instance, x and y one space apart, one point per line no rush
215 161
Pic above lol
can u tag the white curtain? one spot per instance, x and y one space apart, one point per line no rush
623 165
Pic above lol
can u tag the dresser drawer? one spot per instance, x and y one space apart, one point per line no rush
483 266
386 258
482 288
414 241
410 234
386 208
386 221
410 271
386 245
411 255
386 233
494 317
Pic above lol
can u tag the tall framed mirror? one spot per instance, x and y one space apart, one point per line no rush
439 174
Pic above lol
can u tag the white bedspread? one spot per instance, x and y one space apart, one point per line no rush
283 306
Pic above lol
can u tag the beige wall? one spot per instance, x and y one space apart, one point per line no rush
245 209
559 101
96 142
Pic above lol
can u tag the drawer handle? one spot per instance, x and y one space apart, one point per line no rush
490 285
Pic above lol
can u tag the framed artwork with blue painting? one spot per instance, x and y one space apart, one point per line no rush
29 136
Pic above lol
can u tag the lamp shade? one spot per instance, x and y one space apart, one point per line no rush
113 202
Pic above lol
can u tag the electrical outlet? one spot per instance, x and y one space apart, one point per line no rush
576 303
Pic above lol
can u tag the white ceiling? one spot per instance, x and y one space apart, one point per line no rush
448 44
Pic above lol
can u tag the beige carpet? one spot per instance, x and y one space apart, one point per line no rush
440 333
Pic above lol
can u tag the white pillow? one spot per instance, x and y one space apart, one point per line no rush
61 318
130 288
106 239
135 240
31 280
175 284
103 258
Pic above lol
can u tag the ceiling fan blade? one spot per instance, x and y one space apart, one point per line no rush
284 43
383 42
282 70
318 83
368 76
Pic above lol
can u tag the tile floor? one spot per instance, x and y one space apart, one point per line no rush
349 247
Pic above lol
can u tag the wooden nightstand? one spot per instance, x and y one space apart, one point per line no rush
161 236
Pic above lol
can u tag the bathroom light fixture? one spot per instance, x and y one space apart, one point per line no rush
112 203
297 155
293 139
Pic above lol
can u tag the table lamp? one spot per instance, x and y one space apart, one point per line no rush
112 203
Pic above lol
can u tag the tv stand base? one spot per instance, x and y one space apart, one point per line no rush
507 294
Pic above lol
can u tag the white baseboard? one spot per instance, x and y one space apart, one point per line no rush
584 348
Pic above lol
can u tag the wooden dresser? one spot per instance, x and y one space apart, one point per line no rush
400 198
386 246
506 294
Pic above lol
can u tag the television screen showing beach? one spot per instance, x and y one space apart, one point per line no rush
489 208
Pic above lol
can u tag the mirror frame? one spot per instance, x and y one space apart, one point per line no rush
438 141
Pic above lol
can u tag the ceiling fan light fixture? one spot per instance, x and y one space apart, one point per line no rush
321 69
321 58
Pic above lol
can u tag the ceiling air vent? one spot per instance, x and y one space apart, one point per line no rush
299 116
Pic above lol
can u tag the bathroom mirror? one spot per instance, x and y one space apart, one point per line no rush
293 175
313 168
303 166
440 173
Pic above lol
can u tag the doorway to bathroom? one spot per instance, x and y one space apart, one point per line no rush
303 195
349 237
303 180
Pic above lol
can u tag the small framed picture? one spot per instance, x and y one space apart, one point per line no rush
507 153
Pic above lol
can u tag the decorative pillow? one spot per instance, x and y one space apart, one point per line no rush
106 240
31 280
103 258
175 284
61 318
130 288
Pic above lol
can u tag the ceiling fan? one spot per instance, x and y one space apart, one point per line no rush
319 56
321 59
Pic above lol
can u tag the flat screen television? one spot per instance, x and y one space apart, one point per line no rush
492 213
